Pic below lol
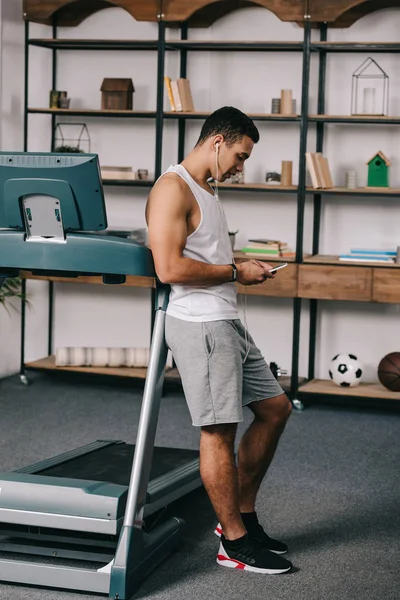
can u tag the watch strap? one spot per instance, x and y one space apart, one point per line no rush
234 272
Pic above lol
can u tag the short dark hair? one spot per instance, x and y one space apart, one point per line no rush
230 122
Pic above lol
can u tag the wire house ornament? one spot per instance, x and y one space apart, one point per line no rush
370 89
76 140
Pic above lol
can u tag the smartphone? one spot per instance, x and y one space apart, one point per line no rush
274 269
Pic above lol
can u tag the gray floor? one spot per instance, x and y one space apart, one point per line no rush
332 492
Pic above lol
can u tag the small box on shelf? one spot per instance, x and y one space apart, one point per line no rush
117 94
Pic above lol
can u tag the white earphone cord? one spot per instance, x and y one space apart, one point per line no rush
243 303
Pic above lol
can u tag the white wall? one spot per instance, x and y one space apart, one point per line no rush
11 138
91 315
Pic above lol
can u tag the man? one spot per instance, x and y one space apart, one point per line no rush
221 368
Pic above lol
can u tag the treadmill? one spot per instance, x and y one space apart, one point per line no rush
80 520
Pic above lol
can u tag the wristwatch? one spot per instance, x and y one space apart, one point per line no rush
234 272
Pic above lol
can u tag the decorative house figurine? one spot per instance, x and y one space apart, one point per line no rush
370 89
117 94
378 170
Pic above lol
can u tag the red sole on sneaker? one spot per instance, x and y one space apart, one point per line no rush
231 563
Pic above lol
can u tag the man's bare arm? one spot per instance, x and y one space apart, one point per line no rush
167 212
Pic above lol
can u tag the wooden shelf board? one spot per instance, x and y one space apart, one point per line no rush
363 390
355 118
372 191
48 363
94 112
322 44
95 44
255 116
233 45
272 259
131 280
207 42
128 182
356 46
331 259
258 186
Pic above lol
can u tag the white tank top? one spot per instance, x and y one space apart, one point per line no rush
209 243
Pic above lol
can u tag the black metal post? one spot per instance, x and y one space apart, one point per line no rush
26 84
159 133
183 73
50 318
50 294
294 381
53 83
160 98
317 202
303 142
301 196
320 133
23 283
22 350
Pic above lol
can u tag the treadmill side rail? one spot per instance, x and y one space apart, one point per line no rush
54 521
55 495
85 580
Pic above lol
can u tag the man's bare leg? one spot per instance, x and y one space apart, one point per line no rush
257 447
220 477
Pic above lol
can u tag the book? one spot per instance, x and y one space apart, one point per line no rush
262 255
374 252
189 96
366 258
250 250
327 172
176 95
185 94
312 170
318 167
264 241
168 87
117 173
257 245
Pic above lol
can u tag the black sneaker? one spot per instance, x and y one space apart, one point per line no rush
252 525
247 554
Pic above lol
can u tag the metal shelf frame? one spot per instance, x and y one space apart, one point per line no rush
321 120
183 46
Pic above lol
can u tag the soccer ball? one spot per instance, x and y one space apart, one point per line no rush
346 370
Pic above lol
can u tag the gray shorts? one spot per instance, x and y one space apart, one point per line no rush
220 371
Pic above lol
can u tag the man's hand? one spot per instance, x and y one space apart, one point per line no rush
252 272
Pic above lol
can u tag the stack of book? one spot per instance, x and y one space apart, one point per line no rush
267 248
367 255
318 168
117 173
179 94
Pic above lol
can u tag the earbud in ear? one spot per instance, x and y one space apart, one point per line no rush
217 145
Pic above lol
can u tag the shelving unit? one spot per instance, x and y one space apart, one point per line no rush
378 120
254 116
365 191
284 286
325 259
298 280
325 276
92 112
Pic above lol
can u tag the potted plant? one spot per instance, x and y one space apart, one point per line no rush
11 288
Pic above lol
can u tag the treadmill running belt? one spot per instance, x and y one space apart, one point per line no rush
114 464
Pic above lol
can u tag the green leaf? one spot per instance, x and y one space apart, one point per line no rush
11 288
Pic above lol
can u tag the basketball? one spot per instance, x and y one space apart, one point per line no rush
389 371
